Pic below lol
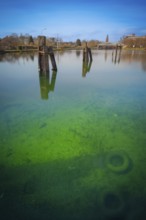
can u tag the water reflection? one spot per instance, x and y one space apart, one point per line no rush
78 53
134 56
46 85
105 56
116 56
14 57
87 60
144 65
86 67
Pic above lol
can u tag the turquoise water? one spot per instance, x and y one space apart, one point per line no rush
72 142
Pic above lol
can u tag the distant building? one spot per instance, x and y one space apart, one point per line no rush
133 36
129 35
109 46
106 45
133 41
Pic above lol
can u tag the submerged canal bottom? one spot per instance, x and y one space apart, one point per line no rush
83 160
86 187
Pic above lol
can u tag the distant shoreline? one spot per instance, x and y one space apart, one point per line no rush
64 49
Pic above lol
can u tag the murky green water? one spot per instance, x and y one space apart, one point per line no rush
73 144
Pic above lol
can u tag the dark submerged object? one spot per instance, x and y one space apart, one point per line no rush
118 162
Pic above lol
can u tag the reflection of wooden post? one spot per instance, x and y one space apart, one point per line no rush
117 50
53 80
46 86
89 66
112 55
119 54
116 53
86 68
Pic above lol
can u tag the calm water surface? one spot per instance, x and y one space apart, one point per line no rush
73 143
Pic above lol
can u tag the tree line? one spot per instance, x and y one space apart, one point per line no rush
28 42
22 42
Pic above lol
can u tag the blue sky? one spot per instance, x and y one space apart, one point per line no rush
69 20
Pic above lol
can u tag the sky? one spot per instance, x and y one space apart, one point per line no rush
73 19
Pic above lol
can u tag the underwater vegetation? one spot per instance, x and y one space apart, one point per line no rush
75 188
64 169
80 154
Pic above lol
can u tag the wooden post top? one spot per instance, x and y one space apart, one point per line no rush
41 41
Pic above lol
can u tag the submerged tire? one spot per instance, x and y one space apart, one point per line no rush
112 204
118 162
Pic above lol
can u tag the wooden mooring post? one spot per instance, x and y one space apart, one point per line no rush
46 84
87 54
44 53
43 63
43 49
86 68
42 44
87 60
52 57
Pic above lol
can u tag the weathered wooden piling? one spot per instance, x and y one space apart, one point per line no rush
52 57
90 54
43 49
84 55
87 60
42 44
87 54
43 63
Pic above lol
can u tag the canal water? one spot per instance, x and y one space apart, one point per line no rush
73 142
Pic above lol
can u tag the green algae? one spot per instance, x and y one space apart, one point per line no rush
53 155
